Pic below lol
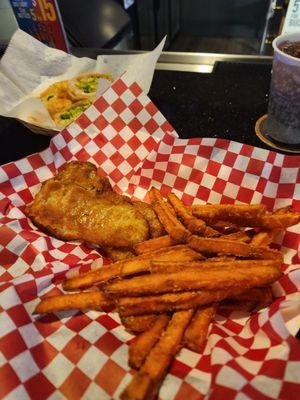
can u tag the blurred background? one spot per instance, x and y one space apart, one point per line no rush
213 26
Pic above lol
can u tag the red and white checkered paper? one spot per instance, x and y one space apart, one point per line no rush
78 355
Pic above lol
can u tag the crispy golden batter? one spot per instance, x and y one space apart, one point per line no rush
156 228
77 204
85 174
118 253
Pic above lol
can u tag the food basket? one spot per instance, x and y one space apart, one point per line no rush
84 355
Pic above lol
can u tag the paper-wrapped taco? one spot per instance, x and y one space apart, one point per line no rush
29 67
66 100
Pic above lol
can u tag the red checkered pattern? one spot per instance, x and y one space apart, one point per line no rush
78 355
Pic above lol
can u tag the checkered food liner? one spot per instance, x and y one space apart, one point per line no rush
78 355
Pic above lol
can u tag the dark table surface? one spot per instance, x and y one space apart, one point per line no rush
225 103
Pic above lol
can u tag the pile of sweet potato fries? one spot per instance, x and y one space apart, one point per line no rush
213 257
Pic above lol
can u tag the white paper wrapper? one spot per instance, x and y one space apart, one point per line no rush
28 67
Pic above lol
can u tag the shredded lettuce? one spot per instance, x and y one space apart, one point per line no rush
74 112
88 85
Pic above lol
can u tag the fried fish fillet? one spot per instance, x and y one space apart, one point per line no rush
155 226
78 204
84 174
118 253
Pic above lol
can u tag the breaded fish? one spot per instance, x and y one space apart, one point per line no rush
155 226
118 253
85 175
78 204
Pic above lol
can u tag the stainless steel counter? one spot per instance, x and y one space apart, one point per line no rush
202 62
182 61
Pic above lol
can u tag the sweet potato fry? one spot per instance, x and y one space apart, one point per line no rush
218 263
283 210
194 225
226 227
155 227
211 232
103 274
174 228
132 266
140 388
264 238
171 266
170 222
171 209
146 382
139 349
181 253
209 279
139 323
253 298
240 236
274 232
81 301
261 295
154 244
198 227
237 305
229 212
246 215
196 333
279 221
172 301
239 249
221 258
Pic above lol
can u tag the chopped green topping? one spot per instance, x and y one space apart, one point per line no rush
88 85
66 115
50 97
74 112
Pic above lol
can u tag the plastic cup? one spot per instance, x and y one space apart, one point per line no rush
283 120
